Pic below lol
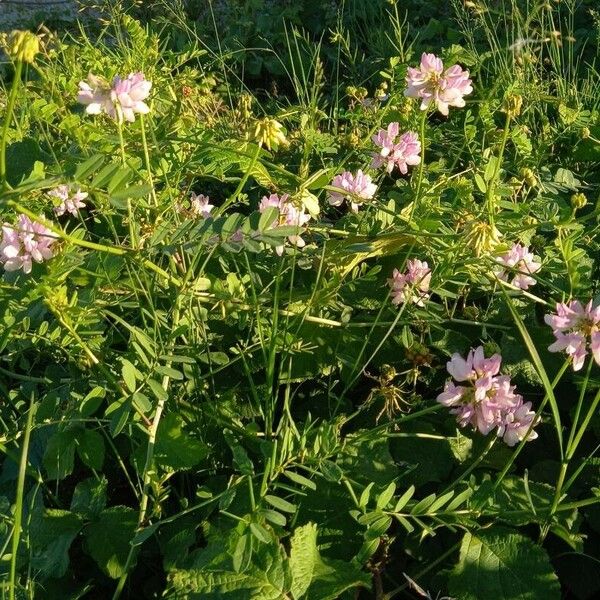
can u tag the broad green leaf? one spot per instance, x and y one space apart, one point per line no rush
128 373
51 536
59 458
90 448
303 557
501 564
175 448
89 497
107 539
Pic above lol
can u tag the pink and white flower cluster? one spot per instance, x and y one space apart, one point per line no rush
575 327
412 285
68 203
200 205
121 100
355 188
431 84
25 243
289 215
486 401
521 262
402 152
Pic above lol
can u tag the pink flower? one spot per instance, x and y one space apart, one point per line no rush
412 285
289 215
487 401
572 325
403 153
200 205
519 259
431 83
121 100
96 95
23 243
68 203
130 93
354 188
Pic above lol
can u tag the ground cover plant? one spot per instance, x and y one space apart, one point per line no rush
299 300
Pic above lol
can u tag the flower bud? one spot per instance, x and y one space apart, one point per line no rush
22 45
269 132
578 201
585 133
512 105
529 176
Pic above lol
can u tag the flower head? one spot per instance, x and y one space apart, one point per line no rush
353 187
67 202
269 132
487 401
401 153
25 242
431 84
412 285
200 205
574 327
130 94
522 263
289 215
121 100
95 94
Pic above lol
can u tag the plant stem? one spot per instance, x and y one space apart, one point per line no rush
12 97
241 184
422 163
148 470
147 161
490 195
19 500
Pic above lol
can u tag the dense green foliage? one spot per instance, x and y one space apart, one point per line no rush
197 408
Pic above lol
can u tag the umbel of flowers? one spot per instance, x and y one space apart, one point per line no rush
289 215
486 400
412 285
433 85
401 152
519 262
354 188
24 243
576 327
120 100
68 202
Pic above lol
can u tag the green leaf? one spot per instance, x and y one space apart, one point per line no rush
59 458
91 165
90 448
89 497
128 372
300 480
280 503
90 404
386 496
51 536
175 448
501 564
331 578
303 557
107 540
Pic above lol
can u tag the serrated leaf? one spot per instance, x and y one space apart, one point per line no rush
303 557
90 448
501 564
107 540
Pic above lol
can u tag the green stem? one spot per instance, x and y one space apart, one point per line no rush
490 196
422 163
7 119
148 466
586 421
241 184
19 501
147 161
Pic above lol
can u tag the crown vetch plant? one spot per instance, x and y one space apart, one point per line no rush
245 393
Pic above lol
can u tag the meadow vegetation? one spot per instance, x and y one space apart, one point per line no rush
299 300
